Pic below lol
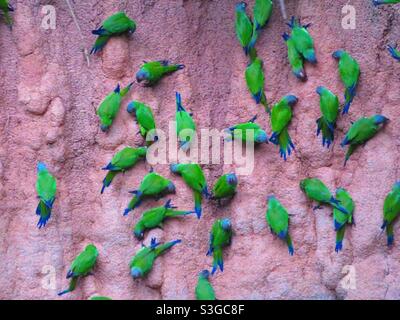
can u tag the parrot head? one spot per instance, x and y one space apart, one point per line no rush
320 89
379 119
138 232
226 224
41 167
136 273
231 178
131 107
104 127
241 6
337 54
261 137
92 249
270 197
141 75
291 100
397 185
205 274
174 167
171 188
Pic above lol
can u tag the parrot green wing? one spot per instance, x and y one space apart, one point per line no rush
295 58
109 108
255 78
46 186
329 105
262 11
303 41
281 116
316 190
361 130
118 23
127 157
244 29
153 184
194 177
145 118
143 260
204 290
391 205
347 202
100 298
222 188
277 217
85 261
349 70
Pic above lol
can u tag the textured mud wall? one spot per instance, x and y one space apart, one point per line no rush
48 97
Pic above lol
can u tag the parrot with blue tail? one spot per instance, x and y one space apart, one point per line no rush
204 289
243 26
255 79
152 185
142 263
247 132
316 190
280 119
81 266
295 58
115 25
340 219
391 210
225 187
380 2
302 40
278 220
144 117
185 126
220 237
329 106
152 72
6 8
109 107
194 177
394 52
361 131
122 161
349 71
46 187
153 218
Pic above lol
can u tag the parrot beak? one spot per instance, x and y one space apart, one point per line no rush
136 273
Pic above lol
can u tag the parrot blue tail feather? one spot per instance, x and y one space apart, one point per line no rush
291 250
390 240
63 292
339 246
393 52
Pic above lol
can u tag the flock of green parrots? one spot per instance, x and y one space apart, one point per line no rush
300 46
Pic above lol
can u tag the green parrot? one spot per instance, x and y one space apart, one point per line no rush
379 2
303 41
154 218
391 210
278 220
122 161
144 117
6 8
142 263
100 298
194 177
340 219
280 119
295 58
46 187
109 107
185 126
204 289
349 71
152 185
225 186
316 190
244 27
394 52
81 267
254 75
361 131
220 237
152 72
262 11
248 131
114 25
329 106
